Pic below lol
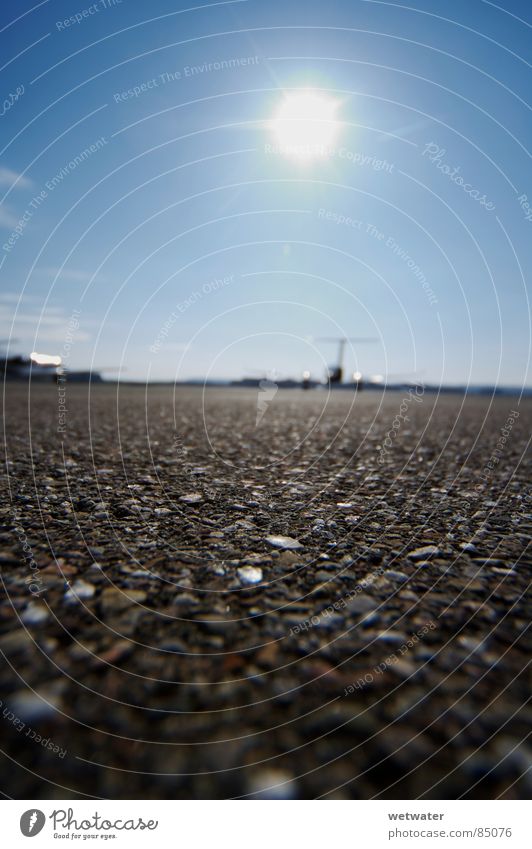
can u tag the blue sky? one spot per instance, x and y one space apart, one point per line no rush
186 246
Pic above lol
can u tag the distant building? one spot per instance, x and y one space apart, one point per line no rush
25 368
22 368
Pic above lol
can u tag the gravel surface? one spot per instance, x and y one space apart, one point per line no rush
331 602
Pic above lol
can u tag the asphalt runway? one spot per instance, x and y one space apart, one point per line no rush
264 593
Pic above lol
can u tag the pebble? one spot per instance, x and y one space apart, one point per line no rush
403 667
192 498
35 614
173 645
361 604
488 561
249 574
31 707
287 543
288 559
79 591
259 559
268 655
330 621
391 637
8 558
321 576
114 599
16 641
392 575
425 552
215 624
407 595
186 601
273 784
118 651
471 644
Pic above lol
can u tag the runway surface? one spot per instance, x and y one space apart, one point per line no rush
262 593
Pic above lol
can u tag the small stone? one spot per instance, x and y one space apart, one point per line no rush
273 784
79 591
361 603
488 561
118 651
35 614
287 543
329 621
392 575
192 498
258 559
402 667
216 624
32 707
185 601
174 645
8 558
407 595
268 655
249 575
471 644
114 599
16 641
288 559
369 619
79 651
392 637
425 552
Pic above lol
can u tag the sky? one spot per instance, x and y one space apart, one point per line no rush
155 221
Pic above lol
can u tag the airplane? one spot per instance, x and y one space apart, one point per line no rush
335 373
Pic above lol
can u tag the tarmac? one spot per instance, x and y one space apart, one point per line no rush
264 594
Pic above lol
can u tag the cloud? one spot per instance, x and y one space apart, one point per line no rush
7 220
15 297
175 346
76 275
14 179
22 323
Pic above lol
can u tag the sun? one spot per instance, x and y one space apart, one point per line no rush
305 125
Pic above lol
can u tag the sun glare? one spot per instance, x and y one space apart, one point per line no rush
305 125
